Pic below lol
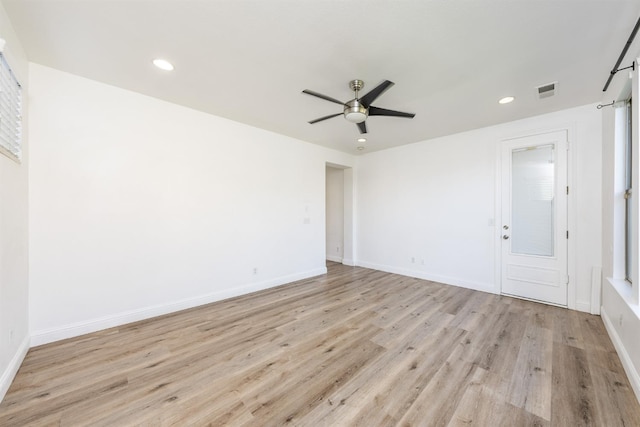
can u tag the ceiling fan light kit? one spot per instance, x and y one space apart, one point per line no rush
357 110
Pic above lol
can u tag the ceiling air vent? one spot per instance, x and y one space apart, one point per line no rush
546 91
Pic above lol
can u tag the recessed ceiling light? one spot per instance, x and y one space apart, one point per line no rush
163 64
360 148
362 139
506 100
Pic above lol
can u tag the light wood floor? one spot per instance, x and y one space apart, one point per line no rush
356 347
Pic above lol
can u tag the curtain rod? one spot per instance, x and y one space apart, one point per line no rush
622 54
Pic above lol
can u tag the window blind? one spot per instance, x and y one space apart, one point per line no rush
10 112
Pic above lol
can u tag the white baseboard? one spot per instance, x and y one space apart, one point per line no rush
80 328
454 281
334 258
596 289
348 261
9 374
632 374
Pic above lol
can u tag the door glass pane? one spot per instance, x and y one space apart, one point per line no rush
532 204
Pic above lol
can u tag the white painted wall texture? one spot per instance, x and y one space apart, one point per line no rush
14 310
424 211
429 209
620 308
139 206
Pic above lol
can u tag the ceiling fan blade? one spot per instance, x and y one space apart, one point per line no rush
374 93
319 95
324 118
362 127
375 111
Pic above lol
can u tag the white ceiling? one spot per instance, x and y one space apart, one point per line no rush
250 60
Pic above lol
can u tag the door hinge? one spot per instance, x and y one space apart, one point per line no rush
567 280
567 234
567 190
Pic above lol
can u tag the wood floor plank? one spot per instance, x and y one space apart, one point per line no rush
480 407
614 398
567 328
383 374
574 403
438 401
354 347
408 379
530 387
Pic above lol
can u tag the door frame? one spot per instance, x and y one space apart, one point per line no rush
571 211
348 231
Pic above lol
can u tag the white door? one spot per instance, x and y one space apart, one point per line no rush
534 229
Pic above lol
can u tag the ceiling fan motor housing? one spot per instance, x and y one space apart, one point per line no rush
355 112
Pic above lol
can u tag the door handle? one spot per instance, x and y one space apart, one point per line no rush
505 237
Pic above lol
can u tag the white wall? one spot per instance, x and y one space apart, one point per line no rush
431 206
620 308
14 310
140 207
335 214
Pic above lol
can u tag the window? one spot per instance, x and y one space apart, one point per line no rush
628 195
10 112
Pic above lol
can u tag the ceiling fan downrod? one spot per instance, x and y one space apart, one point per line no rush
356 86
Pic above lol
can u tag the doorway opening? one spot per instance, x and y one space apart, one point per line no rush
339 214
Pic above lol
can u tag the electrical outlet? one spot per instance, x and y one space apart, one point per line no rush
413 260
255 270
338 249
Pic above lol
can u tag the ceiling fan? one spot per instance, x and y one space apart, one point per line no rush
358 109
